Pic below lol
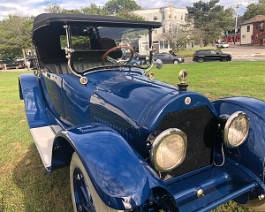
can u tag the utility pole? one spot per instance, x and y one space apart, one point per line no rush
170 5
237 6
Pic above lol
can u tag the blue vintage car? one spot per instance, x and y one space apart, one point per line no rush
134 143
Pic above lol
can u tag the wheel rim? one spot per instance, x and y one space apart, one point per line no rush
83 199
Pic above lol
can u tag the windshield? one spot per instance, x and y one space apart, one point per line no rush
97 46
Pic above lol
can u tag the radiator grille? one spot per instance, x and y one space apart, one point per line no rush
200 127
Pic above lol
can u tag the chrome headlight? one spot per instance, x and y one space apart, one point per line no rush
236 129
169 149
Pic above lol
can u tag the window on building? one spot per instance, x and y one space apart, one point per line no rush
248 28
257 27
145 46
163 44
261 26
155 18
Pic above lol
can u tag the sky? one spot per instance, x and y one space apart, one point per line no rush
35 7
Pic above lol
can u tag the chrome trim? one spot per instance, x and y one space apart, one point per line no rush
229 123
159 139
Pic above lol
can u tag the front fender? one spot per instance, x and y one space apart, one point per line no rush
118 175
252 153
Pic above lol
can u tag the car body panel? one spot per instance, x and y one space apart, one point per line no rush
168 58
222 45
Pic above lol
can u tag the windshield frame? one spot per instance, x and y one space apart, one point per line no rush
69 51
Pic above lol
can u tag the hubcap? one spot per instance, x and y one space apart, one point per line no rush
83 199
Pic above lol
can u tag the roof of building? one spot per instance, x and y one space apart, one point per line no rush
159 8
257 18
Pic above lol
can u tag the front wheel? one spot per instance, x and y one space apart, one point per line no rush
175 62
200 60
84 195
224 59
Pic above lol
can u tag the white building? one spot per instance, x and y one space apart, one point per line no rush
170 17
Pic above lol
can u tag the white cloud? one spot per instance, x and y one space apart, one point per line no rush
35 7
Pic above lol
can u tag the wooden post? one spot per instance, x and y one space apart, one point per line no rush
24 57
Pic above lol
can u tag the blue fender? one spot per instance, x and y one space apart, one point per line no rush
252 153
30 91
120 177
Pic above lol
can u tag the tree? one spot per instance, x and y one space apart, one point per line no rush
93 9
211 19
114 6
255 9
15 35
53 8
178 37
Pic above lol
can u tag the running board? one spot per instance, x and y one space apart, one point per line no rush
43 138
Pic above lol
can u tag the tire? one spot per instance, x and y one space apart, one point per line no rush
83 193
255 205
200 60
175 62
134 64
224 59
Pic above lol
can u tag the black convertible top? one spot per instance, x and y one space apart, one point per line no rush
48 29
45 19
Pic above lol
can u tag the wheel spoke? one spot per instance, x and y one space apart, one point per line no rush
83 199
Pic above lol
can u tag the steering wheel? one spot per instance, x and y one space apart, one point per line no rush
118 60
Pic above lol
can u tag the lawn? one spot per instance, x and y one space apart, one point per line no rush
26 186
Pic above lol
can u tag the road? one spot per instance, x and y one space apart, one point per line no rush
242 53
246 53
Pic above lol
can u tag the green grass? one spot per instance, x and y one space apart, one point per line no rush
26 186
217 80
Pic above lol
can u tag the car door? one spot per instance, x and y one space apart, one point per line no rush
213 55
52 88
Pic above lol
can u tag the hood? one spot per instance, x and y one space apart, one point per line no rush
131 101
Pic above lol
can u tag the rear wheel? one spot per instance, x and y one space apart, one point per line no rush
200 60
255 205
84 195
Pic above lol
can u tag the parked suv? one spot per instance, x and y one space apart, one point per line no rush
134 143
210 55
168 58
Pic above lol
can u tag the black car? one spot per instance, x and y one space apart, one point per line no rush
168 58
9 64
210 55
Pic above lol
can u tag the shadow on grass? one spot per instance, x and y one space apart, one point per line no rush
42 191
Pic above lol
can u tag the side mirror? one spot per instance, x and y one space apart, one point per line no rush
158 63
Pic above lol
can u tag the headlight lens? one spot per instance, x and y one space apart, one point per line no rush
169 149
236 129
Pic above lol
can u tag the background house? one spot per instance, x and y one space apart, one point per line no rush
253 31
172 19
